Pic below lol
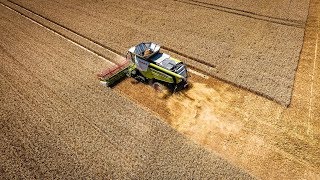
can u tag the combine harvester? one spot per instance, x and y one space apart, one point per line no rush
147 64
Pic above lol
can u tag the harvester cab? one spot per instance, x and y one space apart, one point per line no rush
146 63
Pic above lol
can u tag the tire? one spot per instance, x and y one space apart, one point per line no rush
158 86
132 73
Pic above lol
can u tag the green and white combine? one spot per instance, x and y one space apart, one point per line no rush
147 64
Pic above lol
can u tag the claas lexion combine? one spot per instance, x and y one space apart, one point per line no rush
145 63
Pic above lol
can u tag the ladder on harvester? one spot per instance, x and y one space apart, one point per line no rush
114 74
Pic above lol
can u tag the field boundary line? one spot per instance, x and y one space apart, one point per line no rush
248 14
310 114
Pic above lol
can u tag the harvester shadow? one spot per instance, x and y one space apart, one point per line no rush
178 92
133 81
165 93
185 90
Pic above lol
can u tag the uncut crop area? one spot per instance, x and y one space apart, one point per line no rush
237 46
251 112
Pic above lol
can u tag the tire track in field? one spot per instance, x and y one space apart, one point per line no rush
248 14
83 41
95 46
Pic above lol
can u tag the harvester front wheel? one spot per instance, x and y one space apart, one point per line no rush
158 86
132 73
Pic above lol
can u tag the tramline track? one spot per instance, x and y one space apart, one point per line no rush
248 14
